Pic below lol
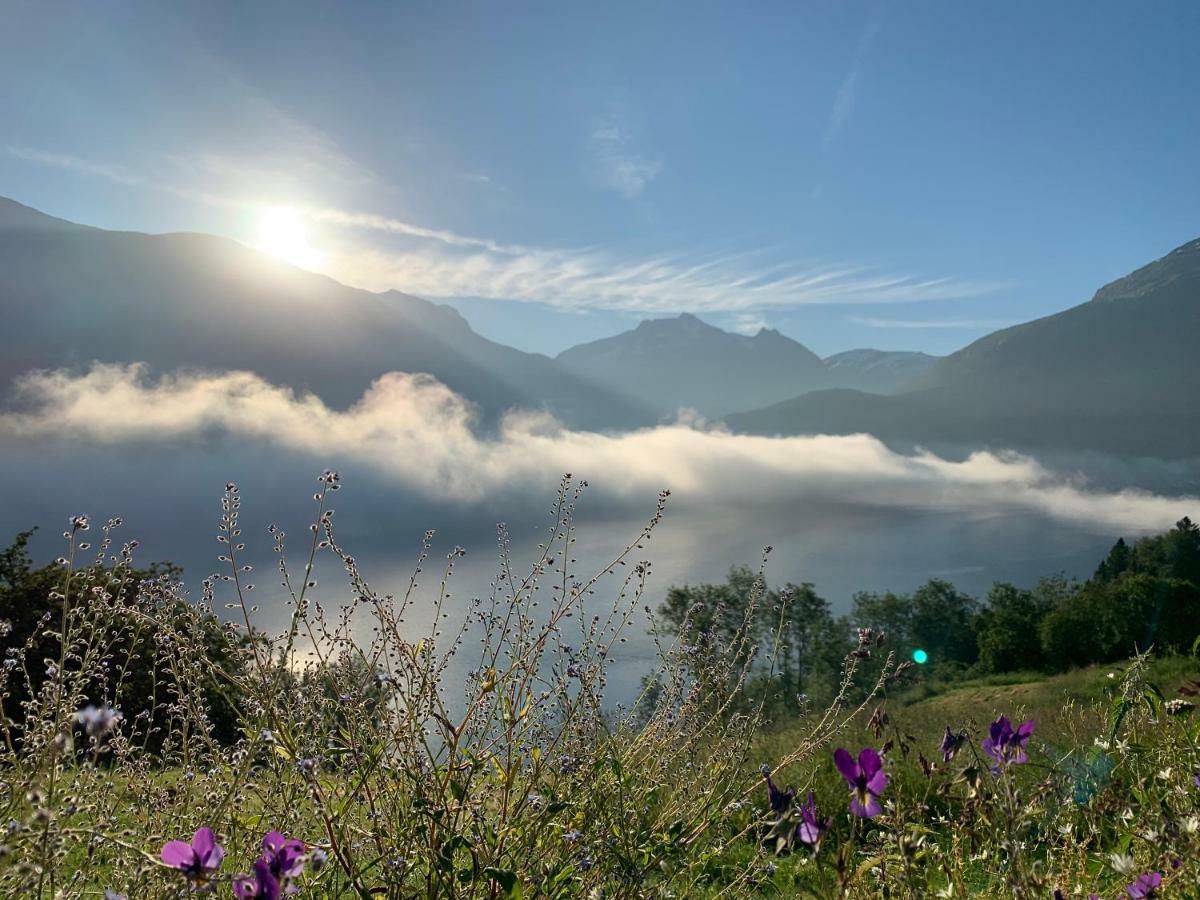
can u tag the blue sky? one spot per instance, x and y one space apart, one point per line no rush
905 176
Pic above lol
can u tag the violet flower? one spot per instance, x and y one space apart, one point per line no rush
951 743
197 860
285 857
1145 886
779 800
1006 746
811 827
866 778
262 885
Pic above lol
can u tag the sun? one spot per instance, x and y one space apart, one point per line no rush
283 232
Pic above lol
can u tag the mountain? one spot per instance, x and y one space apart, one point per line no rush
685 362
71 294
1118 373
876 371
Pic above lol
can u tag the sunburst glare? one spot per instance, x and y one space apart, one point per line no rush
283 232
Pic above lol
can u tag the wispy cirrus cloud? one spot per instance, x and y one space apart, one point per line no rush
667 283
873 322
443 264
843 100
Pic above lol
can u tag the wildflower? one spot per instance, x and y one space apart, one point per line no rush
866 778
811 827
110 894
1145 886
1006 746
197 860
285 857
1178 707
1122 862
779 800
317 858
1196 779
98 721
951 743
573 836
262 885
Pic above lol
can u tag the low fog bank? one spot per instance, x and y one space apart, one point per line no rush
846 513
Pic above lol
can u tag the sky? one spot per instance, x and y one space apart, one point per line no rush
853 174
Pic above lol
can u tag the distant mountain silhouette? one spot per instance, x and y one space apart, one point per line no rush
685 362
876 371
71 294
1118 373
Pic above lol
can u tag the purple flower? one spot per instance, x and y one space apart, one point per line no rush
285 857
811 827
866 778
780 801
262 885
197 860
1145 886
951 743
1006 746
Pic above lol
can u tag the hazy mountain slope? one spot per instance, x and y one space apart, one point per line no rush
71 294
1131 348
1119 373
876 371
684 362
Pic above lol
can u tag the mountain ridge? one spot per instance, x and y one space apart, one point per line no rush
74 294
1116 373
683 361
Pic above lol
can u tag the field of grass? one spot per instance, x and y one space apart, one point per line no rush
330 765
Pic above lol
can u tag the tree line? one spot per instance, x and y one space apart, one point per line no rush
1142 595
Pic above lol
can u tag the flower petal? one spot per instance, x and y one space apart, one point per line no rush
846 765
868 810
273 840
877 783
178 854
869 762
208 852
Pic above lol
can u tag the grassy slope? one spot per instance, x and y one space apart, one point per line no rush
1071 711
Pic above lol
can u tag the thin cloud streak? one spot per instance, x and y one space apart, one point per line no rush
843 101
872 322
417 433
443 264
664 284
